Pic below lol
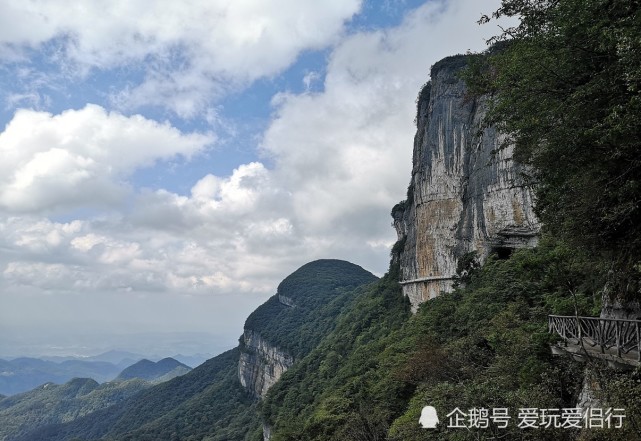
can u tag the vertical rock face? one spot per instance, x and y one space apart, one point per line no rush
466 193
261 364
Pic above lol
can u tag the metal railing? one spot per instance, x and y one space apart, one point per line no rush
622 335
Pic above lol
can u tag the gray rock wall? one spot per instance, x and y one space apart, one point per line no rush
465 194
286 301
261 364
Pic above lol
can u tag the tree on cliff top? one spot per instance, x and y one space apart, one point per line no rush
566 88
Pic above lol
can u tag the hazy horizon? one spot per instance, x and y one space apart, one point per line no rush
152 345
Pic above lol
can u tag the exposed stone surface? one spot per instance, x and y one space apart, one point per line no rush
267 432
466 193
616 308
588 395
261 364
287 301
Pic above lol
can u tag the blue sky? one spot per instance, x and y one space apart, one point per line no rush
165 165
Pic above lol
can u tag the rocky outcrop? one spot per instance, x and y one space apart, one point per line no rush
267 432
287 301
620 309
466 192
261 364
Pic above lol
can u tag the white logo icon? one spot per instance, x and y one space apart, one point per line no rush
429 418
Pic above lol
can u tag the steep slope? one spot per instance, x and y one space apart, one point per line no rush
150 371
52 403
482 346
466 192
332 388
210 402
292 322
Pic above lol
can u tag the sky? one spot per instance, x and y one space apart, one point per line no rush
164 165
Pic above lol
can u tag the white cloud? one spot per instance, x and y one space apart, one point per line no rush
341 159
215 241
81 157
188 49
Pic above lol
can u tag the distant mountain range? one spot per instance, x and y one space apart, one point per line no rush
25 373
50 404
122 359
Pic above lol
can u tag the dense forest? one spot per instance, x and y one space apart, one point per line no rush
485 345
318 291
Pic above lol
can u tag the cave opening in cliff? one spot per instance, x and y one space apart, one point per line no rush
502 253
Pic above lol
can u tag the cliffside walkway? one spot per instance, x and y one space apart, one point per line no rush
613 340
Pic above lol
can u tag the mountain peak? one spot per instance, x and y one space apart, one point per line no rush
149 371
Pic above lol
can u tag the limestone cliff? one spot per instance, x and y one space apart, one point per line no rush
261 364
465 194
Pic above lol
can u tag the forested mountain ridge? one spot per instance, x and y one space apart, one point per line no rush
52 403
292 322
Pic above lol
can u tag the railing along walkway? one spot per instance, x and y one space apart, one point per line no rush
611 335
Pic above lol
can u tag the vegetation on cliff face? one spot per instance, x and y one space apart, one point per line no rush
331 392
567 89
318 291
485 345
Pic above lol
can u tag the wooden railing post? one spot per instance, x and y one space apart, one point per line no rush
638 342
617 330
601 328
